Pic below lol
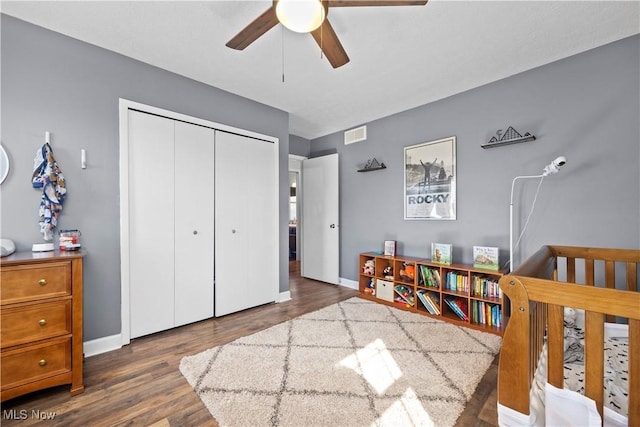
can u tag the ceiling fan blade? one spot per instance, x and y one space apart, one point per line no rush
328 41
355 3
254 30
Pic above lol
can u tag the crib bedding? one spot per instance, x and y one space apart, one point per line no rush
616 375
616 360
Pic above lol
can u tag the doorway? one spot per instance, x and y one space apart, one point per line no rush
295 207
293 216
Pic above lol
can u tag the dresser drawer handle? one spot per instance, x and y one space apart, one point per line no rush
42 322
42 362
42 282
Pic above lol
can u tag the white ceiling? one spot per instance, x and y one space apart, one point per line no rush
401 57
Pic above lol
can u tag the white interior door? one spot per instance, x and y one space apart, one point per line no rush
151 218
246 238
194 215
320 214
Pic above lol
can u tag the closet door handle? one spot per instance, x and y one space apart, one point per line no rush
233 231
195 232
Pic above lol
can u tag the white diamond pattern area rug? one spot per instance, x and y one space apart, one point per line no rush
354 363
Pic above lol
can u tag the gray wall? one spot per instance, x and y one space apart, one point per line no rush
585 107
55 83
299 146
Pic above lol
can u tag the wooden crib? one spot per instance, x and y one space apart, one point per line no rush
564 276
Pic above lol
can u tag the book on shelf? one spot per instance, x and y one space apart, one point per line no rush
457 282
486 257
459 307
404 293
485 287
429 277
485 313
430 301
390 247
441 253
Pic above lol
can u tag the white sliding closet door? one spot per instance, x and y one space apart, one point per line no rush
171 202
194 196
245 220
151 218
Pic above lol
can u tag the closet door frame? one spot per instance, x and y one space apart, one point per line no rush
124 106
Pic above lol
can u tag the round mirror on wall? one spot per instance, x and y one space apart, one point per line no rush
4 164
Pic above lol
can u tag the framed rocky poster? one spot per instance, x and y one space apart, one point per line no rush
430 180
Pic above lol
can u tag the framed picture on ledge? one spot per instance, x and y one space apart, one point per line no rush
430 180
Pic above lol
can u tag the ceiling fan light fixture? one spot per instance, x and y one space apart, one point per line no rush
301 16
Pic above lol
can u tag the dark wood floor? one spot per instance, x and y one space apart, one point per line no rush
140 384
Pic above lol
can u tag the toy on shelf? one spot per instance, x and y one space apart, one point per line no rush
369 267
370 289
388 273
404 295
407 272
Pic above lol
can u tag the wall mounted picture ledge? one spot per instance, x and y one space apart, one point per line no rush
510 136
372 165
430 180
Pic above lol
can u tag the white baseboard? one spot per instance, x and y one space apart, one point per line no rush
102 345
284 296
347 283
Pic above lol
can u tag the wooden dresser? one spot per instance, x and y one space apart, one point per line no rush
41 322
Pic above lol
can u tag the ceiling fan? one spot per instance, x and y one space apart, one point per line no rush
288 11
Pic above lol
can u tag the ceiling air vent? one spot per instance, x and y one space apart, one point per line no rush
355 135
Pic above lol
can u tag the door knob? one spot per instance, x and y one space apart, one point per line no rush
195 232
233 231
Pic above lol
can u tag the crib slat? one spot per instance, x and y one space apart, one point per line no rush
610 282
634 372
594 357
610 274
589 275
632 276
555 345
571 270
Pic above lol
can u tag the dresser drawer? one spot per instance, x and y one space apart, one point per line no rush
26 282
35 362
33 322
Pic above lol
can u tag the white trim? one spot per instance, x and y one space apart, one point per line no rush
348 283
102 345
124 106
284 297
